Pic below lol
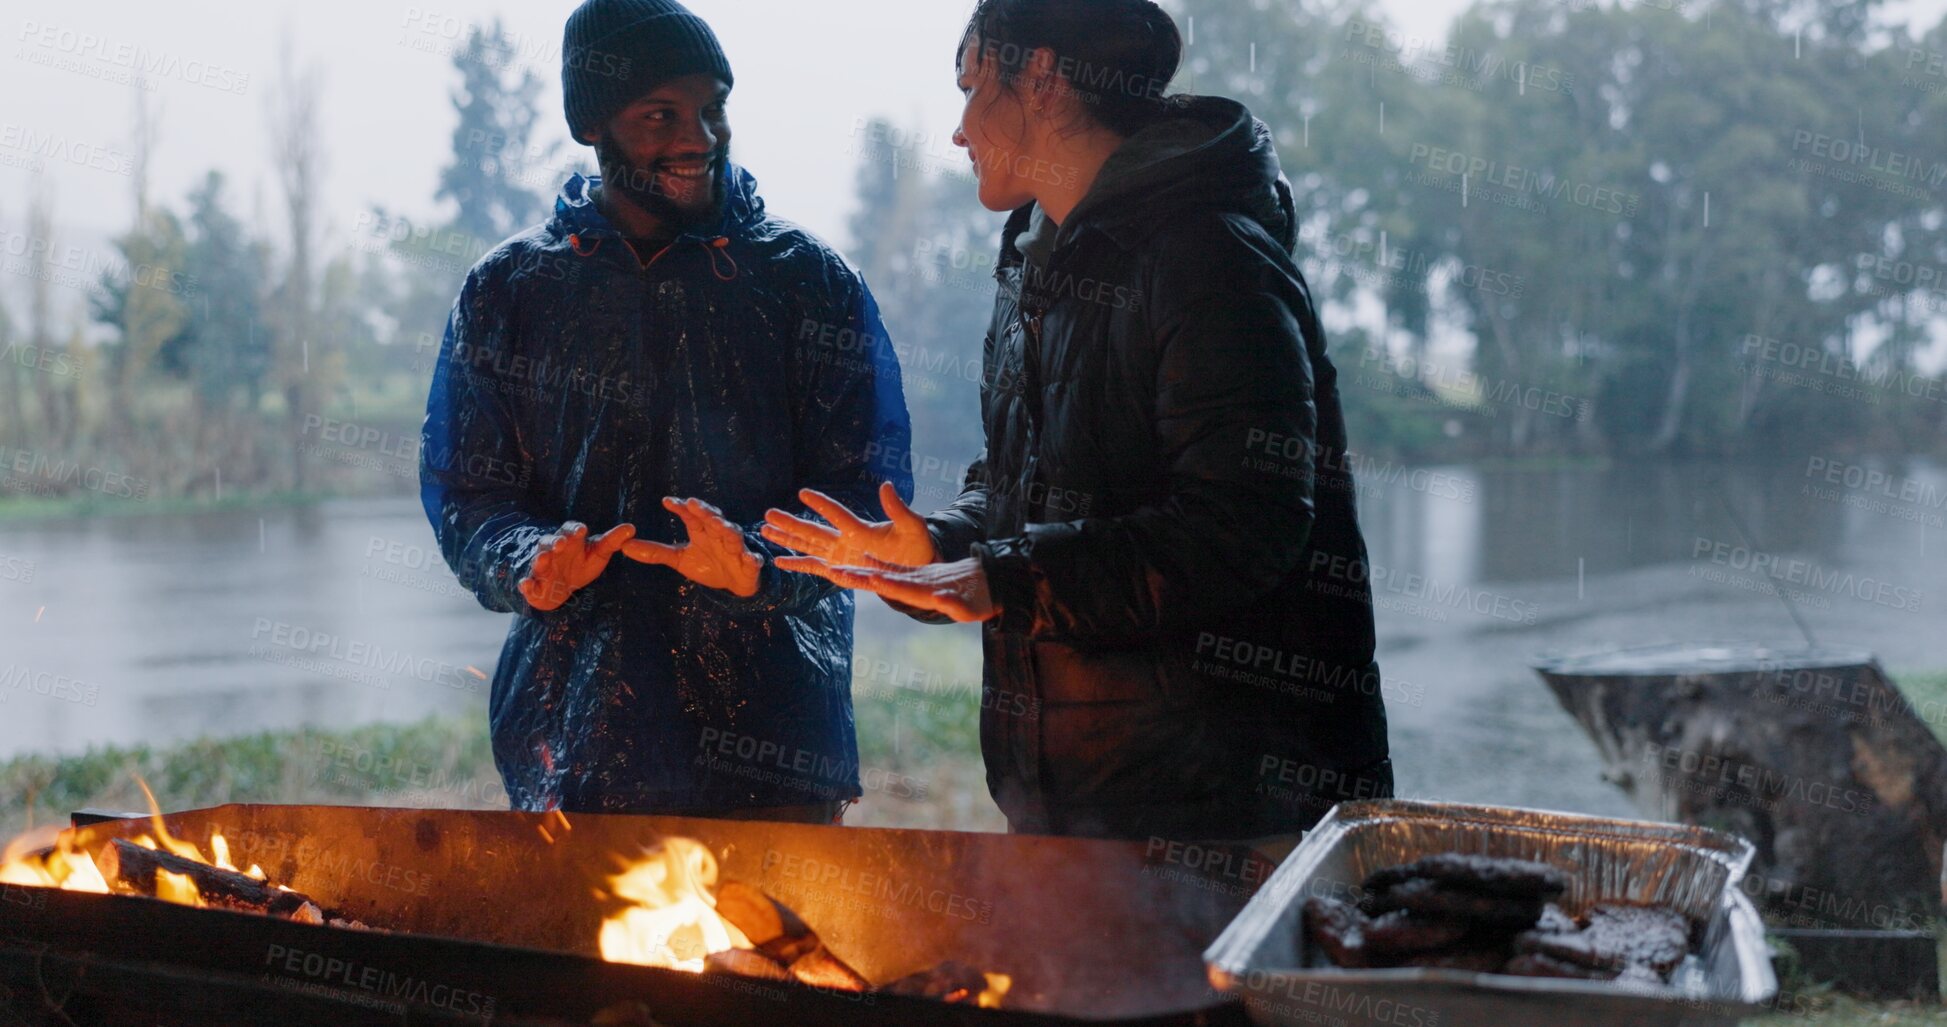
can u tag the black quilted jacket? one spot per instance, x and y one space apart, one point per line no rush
1164 511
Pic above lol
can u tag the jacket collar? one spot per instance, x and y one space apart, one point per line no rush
575 211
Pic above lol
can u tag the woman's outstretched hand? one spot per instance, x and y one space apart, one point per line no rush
958 589
850 540
715 556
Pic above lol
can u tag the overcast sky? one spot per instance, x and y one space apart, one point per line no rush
807 74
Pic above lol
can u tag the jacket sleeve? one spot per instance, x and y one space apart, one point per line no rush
473 474
957 526
853 432
960 524
1235 426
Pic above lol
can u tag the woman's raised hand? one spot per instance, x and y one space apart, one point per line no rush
901 540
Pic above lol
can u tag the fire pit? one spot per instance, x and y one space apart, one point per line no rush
502 916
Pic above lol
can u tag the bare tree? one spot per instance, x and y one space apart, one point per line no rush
148 127
48 393
296 152
13 419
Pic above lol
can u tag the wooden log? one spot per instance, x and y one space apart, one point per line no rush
772 927
782 939
1813 755
132 868
745 963
820 969
950 981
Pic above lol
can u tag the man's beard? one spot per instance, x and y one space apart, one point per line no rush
638 183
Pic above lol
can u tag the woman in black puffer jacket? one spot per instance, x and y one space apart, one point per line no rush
1161 536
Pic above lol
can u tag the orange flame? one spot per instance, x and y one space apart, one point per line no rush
46 858
671 920
172 887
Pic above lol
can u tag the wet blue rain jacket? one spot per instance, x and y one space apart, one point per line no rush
745 362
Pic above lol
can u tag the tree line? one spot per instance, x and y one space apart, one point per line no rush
1666 228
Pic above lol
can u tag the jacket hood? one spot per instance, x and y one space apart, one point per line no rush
1212 153
575 212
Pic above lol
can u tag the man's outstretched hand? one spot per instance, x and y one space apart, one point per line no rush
851 540
568 560
714 557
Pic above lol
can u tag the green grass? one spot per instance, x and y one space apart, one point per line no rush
917 699
918 730
17 510
1809 1003
1840 1011
1927 691
438 762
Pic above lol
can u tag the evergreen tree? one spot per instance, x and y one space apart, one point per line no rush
492 165
225 350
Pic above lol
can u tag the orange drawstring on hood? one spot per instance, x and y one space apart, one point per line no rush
719 245
722 245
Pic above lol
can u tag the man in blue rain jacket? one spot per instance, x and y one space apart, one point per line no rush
660 342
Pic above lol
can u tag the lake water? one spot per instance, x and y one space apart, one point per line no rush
163 628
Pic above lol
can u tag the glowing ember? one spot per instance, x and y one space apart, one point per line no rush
672 920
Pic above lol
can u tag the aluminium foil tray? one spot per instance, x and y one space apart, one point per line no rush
1263 957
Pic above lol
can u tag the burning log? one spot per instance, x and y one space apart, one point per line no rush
772 927
784 940
951 981
676 915
745 963
820 969
131 868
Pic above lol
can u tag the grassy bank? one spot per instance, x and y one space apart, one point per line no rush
14 510
431 763
1927 691
919 759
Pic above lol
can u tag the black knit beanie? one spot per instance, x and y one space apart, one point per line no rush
614 51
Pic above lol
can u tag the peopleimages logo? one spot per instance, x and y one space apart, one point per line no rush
61 147
132 57
1346 576
380 982
1525 181
1807 574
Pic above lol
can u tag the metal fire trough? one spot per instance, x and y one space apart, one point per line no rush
489 921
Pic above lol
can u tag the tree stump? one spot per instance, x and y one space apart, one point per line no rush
1812 754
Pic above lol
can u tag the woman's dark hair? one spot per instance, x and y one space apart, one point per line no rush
1117 56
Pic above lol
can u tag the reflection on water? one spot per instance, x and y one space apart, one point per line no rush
1463 524
1496 566
171 627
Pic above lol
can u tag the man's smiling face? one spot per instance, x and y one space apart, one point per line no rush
666 149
